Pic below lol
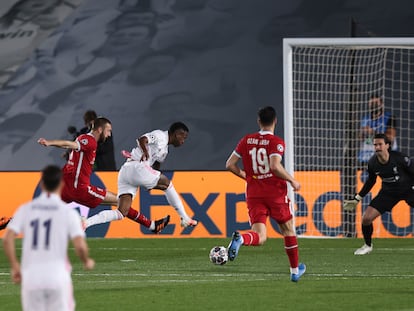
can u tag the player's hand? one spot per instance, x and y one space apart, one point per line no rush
89 264
295 185
350 205
43 142
16 275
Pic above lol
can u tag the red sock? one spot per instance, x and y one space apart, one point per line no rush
250 238
138 217
291 248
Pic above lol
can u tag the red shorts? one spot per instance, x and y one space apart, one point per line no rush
88 195
262 208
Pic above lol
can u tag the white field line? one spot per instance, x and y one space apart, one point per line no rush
232 275
180 278
238 276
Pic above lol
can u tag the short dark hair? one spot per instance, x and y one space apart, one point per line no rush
384 137
178 126
100 122
51 177
89 116
267 115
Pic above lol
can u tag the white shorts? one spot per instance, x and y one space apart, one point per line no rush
134 174
48 299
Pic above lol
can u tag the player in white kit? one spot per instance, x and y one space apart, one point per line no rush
142 170
47 225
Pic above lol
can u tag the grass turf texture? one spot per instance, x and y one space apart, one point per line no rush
176 274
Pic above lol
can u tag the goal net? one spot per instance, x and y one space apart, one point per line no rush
330 87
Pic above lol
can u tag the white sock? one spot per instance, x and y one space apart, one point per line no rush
294 270
152 226
174 200
103 217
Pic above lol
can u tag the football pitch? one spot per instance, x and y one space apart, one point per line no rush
176 274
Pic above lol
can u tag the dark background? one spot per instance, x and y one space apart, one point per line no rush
146 64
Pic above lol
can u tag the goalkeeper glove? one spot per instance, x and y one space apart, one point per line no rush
350 205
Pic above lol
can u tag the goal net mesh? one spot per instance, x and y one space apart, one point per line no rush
330 90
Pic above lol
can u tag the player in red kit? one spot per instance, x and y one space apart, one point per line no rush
78 169
266 191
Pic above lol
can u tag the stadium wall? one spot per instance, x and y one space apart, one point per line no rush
217 200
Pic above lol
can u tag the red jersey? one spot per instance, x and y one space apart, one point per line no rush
78 169
255 150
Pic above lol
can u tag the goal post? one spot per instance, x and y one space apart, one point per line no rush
328 83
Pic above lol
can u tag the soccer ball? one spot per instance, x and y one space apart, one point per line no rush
218 255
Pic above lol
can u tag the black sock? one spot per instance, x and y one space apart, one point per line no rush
367 232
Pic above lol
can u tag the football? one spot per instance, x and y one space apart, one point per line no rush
218 255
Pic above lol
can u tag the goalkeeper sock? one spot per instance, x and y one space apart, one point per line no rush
139 218
367 233
291 248
104 217
175 201
250 238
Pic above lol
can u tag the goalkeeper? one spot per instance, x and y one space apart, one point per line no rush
396 171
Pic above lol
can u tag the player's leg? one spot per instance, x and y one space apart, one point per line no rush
97 196
257 235
254 237
283 214
124 205
292 250
33 299
163 183
258 214
125 209
60 298
128 182
131 176
367 228
379 205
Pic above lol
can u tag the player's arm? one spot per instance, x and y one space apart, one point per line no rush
369 183
277 168
232 166
407 163
350 205
143 144
10 251
66 144
82 251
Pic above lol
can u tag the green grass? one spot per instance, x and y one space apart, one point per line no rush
175 274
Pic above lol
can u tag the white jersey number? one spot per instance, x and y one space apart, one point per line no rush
260 160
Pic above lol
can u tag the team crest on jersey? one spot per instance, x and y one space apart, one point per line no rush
280 147
84 141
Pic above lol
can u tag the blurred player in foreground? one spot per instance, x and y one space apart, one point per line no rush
266 192
77 173
141 169
396 171
47 225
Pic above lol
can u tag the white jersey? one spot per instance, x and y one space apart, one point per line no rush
157 147
47 225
